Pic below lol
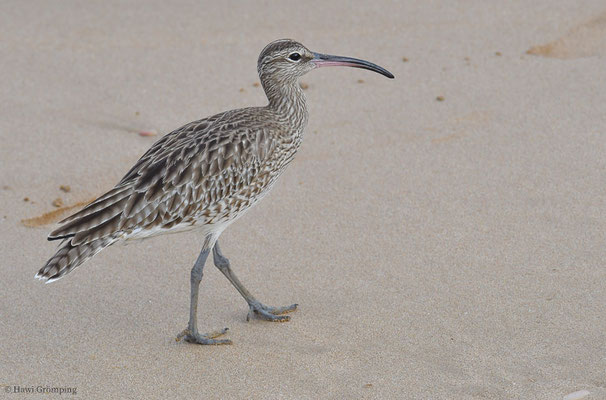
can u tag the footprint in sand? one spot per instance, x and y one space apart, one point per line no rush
53 216
585 40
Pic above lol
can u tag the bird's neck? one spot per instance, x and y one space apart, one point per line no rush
287 100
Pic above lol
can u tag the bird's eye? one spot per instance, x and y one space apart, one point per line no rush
294 57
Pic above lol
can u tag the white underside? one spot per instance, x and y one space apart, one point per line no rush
210 232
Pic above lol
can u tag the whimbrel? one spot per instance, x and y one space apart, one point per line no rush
204 176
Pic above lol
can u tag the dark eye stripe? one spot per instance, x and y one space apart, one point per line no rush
295 56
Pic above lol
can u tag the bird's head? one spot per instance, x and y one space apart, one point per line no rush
283 61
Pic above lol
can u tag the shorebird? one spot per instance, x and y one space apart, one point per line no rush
204 176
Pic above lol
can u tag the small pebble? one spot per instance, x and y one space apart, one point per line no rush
136 112
26 199
581 394
367 386
65 188
58 202
242 90
360 80
404 59
304 85
440 98
148 133
498 53
256 84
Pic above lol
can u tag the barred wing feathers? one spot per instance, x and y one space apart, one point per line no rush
200 172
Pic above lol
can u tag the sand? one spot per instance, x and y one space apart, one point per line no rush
447 249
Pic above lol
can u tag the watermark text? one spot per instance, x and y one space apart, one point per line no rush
41 389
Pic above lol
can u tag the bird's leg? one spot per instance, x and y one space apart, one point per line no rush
256 308
191 333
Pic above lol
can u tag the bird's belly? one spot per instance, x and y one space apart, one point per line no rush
207 223
211 219
204 228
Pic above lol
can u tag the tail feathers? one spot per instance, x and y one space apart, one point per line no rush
109 198
68 257
105 208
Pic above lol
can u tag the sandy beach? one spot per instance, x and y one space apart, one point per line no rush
443 233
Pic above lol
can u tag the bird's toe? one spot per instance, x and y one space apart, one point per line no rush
266 313
281 310
205 338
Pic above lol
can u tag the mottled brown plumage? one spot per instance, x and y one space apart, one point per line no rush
202 175
205 174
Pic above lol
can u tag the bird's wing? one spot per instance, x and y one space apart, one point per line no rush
188 174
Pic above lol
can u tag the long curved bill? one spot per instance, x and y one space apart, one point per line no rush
326 60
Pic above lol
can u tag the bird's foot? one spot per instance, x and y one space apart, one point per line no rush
206 338
267 313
